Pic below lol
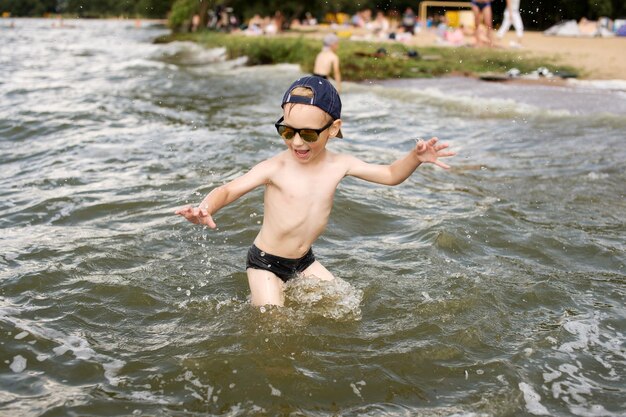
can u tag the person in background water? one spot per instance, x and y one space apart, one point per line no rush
483 14
512 16
300 184
327 61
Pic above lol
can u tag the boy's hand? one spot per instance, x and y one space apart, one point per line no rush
197 215
430 151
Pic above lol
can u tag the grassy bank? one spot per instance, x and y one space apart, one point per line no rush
360 60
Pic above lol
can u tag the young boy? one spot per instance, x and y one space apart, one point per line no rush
300 183
327 60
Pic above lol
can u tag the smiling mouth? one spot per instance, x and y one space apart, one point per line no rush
301 153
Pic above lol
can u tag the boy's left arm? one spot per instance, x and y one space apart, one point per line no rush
424 152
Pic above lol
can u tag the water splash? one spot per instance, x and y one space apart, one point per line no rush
336 299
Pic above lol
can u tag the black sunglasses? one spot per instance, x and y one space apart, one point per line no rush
308 135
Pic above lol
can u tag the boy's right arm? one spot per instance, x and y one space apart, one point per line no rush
226 194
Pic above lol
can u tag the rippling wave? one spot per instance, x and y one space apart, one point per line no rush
495 288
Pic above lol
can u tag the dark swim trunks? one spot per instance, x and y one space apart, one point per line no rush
321 76
482 5
284 268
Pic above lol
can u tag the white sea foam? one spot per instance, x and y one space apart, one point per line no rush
355 388
509 100
198 59
587 333
111 370
274 391
19 364
575 384
594 411
552 375
532 399
21 335
614 85
220 66
597 176
335 299
475 104
189 53
147 396
140 64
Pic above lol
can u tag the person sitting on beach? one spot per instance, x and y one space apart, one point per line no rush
483 14
381 25
309 20
327 61
255 26
300 184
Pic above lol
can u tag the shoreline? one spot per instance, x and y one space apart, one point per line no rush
595 58
589 58
598 58
372 59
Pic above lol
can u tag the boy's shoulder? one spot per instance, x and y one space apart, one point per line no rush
340 160
274 160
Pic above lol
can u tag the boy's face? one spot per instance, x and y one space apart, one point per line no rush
301 116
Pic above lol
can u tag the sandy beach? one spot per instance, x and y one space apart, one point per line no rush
598 58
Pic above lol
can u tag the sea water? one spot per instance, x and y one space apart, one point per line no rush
493 289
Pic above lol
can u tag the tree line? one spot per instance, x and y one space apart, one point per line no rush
537 14
88 8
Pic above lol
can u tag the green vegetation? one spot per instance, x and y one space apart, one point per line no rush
360 60
537 14
91 8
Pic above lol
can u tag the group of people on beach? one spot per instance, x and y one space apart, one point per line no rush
404 26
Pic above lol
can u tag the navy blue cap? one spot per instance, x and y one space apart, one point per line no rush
325 96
